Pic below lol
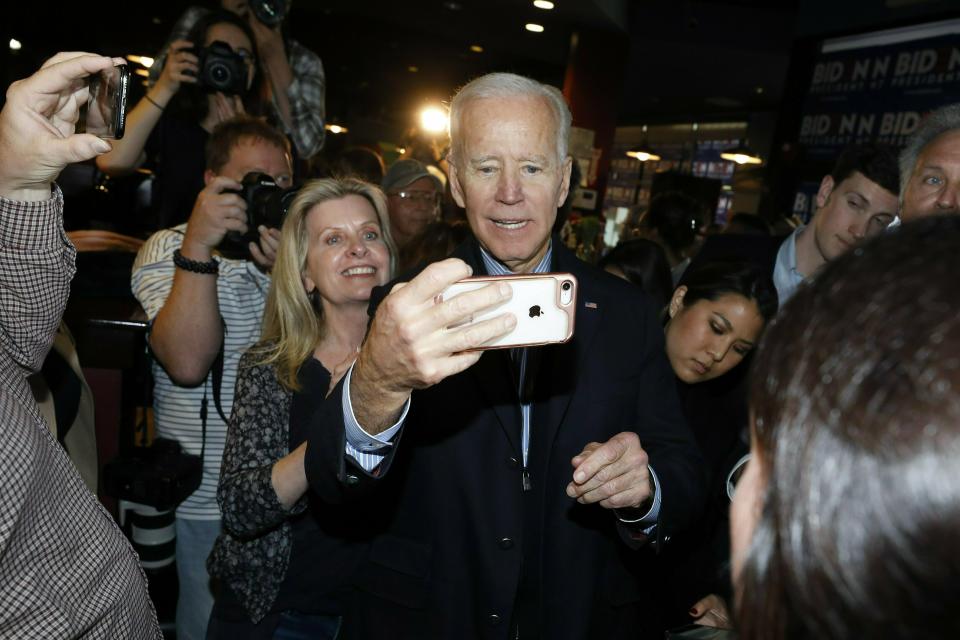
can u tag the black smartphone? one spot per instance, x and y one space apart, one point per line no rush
105 113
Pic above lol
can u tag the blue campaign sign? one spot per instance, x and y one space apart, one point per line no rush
877 87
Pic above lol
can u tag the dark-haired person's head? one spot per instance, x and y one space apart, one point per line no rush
677 221
844 523
856 201
360 162
747 224
930 166
226 27
643 263
436 242
716 316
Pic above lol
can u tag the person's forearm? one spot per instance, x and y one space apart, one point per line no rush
277 69
128 151
375 406
187 333
288 477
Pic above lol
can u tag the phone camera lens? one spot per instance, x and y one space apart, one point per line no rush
565 286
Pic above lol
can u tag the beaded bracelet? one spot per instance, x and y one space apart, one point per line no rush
195 266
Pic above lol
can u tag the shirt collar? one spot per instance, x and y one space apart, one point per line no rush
496 268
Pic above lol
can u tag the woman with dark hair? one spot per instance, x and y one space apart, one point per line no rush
643 263
714 320
284 560
844 524
167 130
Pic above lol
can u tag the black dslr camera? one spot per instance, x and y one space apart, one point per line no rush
270 12
267 205
222 69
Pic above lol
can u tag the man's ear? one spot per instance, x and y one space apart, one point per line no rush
453 173
208 176
826 188
676 303
565 186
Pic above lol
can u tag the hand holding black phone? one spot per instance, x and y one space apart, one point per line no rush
105 113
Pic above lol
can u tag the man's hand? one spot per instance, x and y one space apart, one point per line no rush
265 253
614 473
410 346
269 39
227 107
37 138
214 213
711 611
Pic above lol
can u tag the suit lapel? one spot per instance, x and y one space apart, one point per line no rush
493 374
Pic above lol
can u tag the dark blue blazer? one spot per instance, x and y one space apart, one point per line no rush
451 516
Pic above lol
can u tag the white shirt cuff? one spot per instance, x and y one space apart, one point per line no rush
650 518
368 450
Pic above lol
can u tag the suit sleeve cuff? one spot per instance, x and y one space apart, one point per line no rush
647 522
368 450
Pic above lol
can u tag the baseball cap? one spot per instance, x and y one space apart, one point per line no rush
404 172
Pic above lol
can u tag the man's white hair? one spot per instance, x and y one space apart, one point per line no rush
509 85
943 120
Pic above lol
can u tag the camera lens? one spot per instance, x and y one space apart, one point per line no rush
220 73
566 286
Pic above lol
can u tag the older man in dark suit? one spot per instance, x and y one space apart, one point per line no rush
513 489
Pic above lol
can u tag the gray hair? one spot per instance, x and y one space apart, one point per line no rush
509 85
941 121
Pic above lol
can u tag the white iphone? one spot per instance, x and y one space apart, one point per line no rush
543 303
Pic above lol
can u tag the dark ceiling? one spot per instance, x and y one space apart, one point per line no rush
700 59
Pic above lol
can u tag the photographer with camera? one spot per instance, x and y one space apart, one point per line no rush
66 570
295 85
210 77
205 311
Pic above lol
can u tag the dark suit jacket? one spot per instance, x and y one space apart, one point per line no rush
448 561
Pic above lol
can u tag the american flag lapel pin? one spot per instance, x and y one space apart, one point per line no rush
590 305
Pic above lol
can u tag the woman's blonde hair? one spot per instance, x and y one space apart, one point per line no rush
293 323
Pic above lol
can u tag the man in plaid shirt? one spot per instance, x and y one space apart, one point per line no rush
66 570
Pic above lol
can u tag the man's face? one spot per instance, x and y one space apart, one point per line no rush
507 176
412 208
848 212
256 154
934 185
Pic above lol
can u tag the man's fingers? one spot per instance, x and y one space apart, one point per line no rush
257 255
61 71
434 279
600 457
478 334
460 308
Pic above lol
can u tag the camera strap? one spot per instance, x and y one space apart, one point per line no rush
216 379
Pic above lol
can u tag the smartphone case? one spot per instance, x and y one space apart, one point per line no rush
543 303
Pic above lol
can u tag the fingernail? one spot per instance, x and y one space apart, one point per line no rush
692 612
101 146
511 321
504 289
579 476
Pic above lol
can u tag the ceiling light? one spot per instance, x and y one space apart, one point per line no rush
543 4
413 69
335 128
741 155
401 150
142 72
534 27
15 45
643 155
476 48
433 120
145 61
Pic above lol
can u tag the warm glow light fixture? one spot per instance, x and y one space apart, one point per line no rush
433 120
543 4
741 155
643 156
476 48
335 128
15 45
534 27
145 61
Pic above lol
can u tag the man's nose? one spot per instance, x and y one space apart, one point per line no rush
947 199
509 189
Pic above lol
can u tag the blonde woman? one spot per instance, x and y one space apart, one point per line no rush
283 560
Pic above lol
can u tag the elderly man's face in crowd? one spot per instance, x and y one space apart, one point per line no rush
507 176
934 186
410 214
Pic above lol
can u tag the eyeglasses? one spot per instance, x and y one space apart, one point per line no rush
427 197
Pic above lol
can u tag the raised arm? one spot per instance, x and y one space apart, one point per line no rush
128 152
